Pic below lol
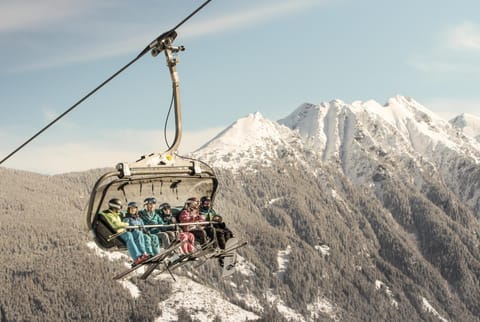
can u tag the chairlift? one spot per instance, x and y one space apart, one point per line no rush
166 176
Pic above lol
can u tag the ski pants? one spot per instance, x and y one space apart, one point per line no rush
152 244
221 232
135 243
166 237
187 247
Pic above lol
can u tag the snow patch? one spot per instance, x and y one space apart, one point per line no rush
335 194
250 300
316 309
272 201
381 285
282 260
286 311
115 256
322 305
324 249
201 302
111 256
427 307
244 267
132 288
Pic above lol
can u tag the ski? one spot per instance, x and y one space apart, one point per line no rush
155 259
229 256
229 262
182 259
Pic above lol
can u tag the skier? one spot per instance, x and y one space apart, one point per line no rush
152 243
169 219
151 216
190 214
134 239
218 227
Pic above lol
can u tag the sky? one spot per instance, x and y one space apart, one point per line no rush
241 57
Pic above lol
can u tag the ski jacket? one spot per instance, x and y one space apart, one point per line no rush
187 216
169 220
114 220
210 214
134 221
152 218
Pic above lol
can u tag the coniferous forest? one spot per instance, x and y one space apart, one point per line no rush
386 253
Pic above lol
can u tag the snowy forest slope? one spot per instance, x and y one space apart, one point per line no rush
352 211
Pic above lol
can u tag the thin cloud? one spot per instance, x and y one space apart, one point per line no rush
28 14
70 56
249 17
106 150
465 36
437 66
454 51
126 39
50 115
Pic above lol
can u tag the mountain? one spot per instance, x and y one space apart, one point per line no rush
353 212
364 139
393 189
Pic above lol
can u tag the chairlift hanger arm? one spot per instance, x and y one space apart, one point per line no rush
163 44
170 51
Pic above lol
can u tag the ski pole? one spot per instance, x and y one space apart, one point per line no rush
171 225
113 236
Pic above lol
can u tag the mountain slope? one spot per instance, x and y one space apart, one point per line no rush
352 212
402 178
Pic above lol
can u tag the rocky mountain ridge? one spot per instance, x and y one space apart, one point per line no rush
365 139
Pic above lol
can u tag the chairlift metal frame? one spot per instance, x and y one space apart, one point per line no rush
164 168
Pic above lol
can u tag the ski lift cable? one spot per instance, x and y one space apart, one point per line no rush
142 53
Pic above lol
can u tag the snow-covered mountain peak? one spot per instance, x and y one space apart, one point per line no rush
305 118
403 100
468 124
396 111
399 110
249 139
244 132
335 130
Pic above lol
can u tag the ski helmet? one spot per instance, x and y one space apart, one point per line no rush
165 205
115 203
205 198
194 199
132 204
150 200
191 202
